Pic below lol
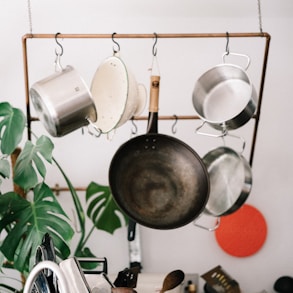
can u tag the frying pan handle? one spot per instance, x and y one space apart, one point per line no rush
237 54
131 230
210 229
154 94
154 104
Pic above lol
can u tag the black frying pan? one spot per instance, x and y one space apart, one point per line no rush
157 180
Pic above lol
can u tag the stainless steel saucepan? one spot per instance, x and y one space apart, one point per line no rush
224 96
63 102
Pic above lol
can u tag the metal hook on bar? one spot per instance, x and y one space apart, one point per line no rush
59 44
155 44
134 129
116 43
155 65
174 130
227 44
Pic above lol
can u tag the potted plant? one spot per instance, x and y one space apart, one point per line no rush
31 209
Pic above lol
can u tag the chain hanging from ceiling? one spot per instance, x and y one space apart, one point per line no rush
30 22
259 15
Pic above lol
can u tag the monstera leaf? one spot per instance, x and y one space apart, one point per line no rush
102 209
27 223
25 174
12 123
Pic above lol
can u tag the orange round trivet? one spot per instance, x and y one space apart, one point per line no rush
242 233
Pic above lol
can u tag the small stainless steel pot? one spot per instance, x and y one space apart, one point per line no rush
230 181
63 102
224 96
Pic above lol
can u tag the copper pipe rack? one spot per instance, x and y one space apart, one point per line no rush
256 117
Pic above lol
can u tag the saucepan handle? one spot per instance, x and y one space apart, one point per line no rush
198 131
210 229
226 54
224 134
243 142
97 132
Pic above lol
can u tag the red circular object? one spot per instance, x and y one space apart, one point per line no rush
242 233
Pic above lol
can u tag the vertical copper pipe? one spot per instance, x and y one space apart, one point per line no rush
14 157
257 116
26 83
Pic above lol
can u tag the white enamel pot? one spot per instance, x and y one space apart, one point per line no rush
117 95
63 102
224 96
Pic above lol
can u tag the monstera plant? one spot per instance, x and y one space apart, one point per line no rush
25 217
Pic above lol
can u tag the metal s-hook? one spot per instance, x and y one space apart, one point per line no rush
116 43
155 65
134 129
174 130
59 44
58 66
227 44
155 44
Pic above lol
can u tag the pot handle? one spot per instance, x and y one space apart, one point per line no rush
237 54
222 135
97 131
210 229
240 138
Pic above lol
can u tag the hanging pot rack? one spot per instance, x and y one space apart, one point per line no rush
260 34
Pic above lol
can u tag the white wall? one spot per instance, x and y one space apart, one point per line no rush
86 158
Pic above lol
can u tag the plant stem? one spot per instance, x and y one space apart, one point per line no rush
82 244
78 208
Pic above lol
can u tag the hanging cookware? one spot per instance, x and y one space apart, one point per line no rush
230 181
62 100
117 95
224 96
158 180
